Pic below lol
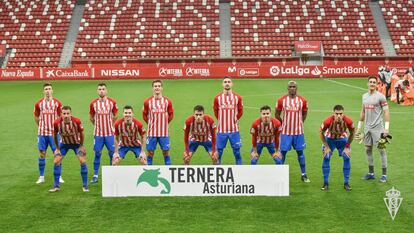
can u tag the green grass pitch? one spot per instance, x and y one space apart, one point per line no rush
27 207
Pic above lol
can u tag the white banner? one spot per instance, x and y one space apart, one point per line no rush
245 180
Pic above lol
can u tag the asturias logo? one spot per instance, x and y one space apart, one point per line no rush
151 177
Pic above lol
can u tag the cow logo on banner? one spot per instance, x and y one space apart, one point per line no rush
274 70
152 178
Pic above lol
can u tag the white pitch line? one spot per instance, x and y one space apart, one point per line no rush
330 111
344 84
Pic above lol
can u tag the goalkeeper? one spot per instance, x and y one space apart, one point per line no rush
374 107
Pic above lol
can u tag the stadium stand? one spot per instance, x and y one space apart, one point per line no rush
34 30
269 28
114 29
399 18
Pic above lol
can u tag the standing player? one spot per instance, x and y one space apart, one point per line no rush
199 130
46 111
374 105
265 133
71 130
228 109
128 131
158 112
294 108
333 133
102 113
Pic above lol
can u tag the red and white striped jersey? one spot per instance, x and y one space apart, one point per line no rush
292 122
103 111
48 112
228 109
158 113
69 132
336 130
129 132
265 133
200 131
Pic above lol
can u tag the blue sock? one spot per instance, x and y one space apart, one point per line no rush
347 168
96 163
220 154
84 175
57 170
42 164
326 168
283 156
237 156
301 160
277 160
254 161
167 160
111 155
149 160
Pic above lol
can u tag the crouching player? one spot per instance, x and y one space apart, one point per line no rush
71 132
265 133
199 130
128 131
333 133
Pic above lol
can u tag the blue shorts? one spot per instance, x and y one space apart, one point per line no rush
193 145
338 144
295 141
235 140
270 147
123 150
163 141
65 147
44 141
99 142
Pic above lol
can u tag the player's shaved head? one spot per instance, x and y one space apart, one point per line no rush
292 88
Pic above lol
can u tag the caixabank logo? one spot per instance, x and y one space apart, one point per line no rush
194 181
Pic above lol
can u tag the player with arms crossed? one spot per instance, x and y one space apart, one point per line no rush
295 109
374 106
228 109
46 111
199 130
71 131
158 112
333 133
265 133
102 113
128 131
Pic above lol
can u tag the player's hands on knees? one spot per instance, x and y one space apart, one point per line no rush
57 152
186 157
326 151
254 154
82 151
347 152
277 154
143 159
214 155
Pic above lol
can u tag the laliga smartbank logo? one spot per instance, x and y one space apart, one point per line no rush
205 180
316 71
151 177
